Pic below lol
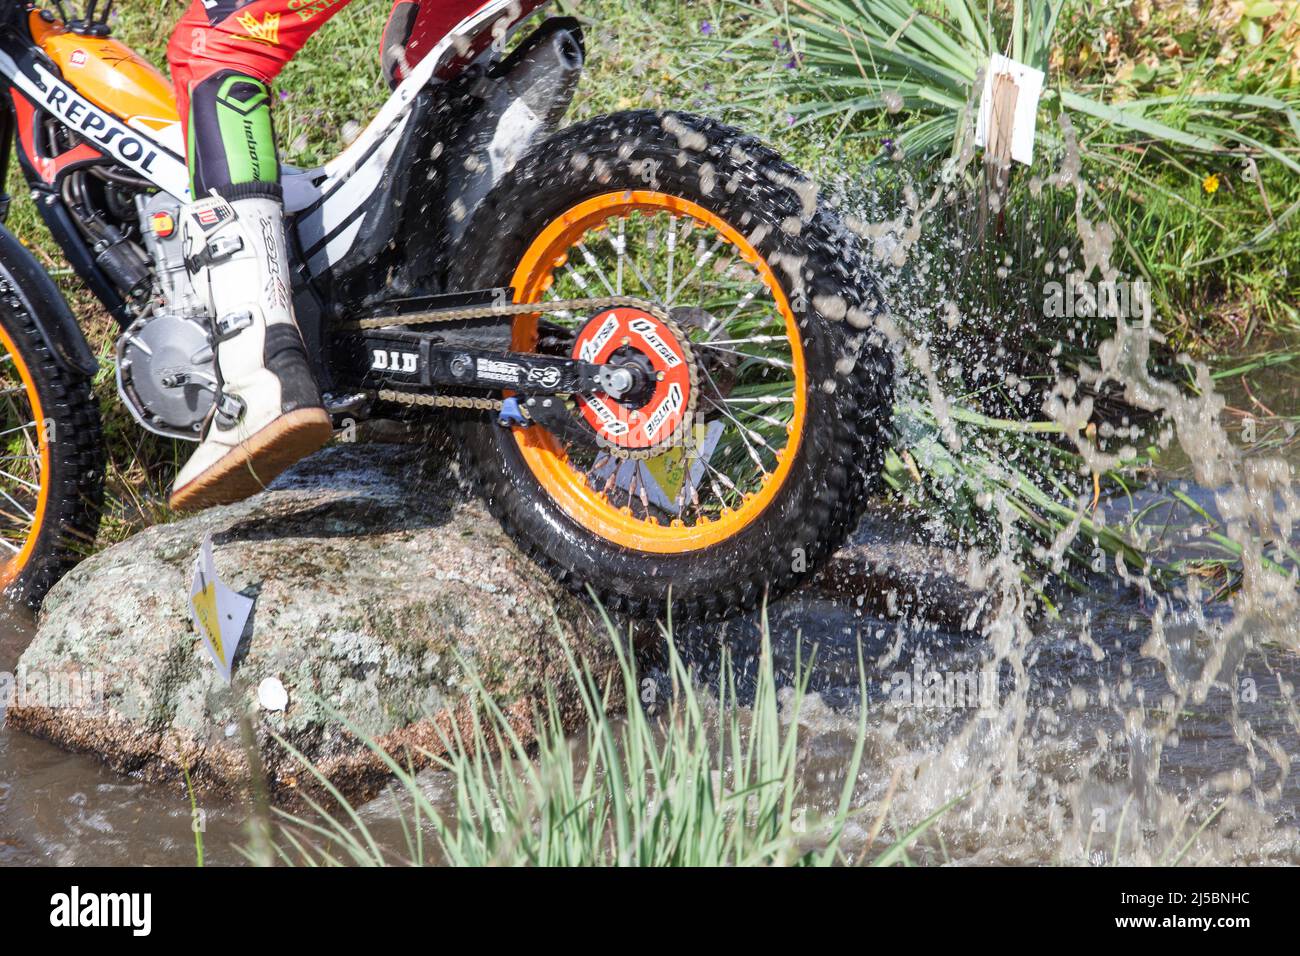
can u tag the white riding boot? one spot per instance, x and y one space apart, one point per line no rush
268 411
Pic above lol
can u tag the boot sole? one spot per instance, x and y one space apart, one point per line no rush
256 462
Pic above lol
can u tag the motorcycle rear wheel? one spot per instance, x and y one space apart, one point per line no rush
794 400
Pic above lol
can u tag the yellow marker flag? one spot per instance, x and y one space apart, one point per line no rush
205 610
219 613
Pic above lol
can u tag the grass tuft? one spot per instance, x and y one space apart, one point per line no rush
683 778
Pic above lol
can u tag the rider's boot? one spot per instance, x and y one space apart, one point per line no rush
268 412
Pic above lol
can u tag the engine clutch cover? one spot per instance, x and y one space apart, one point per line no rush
165 374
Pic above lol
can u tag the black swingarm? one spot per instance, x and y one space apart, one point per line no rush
457 341
423 360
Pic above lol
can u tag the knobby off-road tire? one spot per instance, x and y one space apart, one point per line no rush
52 467
714 175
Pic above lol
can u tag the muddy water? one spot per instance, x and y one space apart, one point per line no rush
1136 727
68 809
1111 732
1079 781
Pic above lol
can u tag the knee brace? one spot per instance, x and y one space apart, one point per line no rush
231 136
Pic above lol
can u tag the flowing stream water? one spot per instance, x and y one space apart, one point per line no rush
1135 724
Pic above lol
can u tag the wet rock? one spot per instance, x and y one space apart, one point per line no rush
376 580
889 568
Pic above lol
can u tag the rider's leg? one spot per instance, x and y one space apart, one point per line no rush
223 57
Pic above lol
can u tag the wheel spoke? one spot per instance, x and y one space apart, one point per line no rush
21 481
760 400
768 360
672 249
748 434
699 264
756 339
745 299
591 261
620 247
17 428
21 462
748 366
17 504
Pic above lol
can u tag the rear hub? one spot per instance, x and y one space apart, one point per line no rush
647 382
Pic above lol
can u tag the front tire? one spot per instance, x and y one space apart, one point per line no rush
801 379
51 453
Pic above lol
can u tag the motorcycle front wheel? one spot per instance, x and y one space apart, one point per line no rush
51 453
793 381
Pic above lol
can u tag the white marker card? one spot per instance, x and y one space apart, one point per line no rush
1029 87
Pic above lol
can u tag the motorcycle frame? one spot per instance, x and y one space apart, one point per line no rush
326 207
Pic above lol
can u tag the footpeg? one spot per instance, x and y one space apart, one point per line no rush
349 403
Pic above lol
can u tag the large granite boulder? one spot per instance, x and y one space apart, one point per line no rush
379 585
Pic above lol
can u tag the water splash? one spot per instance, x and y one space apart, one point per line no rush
1152 725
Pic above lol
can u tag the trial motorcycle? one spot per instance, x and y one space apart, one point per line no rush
657 343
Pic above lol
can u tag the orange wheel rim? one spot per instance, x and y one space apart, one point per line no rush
572 488
22 443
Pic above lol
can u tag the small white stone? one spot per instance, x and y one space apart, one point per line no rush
230 729
272 695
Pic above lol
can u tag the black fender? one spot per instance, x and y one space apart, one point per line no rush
43 301
7 130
